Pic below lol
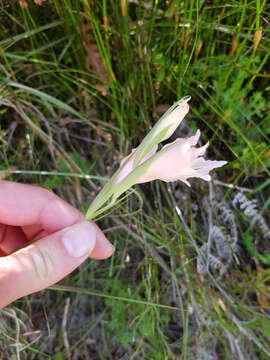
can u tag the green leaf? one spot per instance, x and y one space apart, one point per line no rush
58 103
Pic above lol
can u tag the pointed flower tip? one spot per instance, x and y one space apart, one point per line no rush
186 182
182 103
184 99
221 163
181 108
197 136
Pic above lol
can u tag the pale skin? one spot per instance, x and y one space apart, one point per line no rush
42 239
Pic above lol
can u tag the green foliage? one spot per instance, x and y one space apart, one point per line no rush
118 323
260 323
61 111
241 104
252 250
129 322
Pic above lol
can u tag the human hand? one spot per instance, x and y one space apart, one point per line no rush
64 240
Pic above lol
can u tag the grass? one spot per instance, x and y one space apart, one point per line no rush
81 84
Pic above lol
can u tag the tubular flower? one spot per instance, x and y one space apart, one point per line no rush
178 160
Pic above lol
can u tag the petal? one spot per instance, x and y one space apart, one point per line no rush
186 182
128 161
205 177
175 117
164 128
151 153
193 140
127 166
178 160
196 152
126 157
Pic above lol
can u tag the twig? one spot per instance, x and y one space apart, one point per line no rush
64 325
232 186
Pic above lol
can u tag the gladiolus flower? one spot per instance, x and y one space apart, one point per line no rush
178 160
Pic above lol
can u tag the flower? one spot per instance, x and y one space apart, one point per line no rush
179 160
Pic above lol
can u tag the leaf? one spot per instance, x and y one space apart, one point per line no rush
58 103
259 322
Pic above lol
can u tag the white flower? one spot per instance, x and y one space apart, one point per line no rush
178 160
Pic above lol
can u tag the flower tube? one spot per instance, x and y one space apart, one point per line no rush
179 160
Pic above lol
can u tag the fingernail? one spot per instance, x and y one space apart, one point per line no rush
79 240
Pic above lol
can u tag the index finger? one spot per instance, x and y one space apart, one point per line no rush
22 205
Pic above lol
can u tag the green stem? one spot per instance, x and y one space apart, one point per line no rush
99 201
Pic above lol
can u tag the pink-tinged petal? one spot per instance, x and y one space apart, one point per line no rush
196 152
150 154
175 117
127 157
128 161
186 182
193 140
126 164
180 160
205 177
208 165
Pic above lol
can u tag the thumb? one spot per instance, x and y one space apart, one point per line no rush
45 262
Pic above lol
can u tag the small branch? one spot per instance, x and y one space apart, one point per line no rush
64 327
